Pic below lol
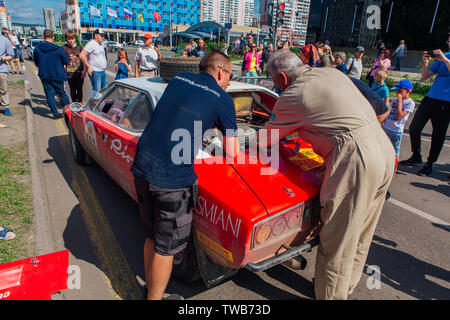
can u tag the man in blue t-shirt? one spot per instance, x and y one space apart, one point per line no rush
164 173
435 106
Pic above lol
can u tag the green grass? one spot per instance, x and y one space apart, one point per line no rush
19 82
15 203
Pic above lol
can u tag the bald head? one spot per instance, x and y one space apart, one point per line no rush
213 59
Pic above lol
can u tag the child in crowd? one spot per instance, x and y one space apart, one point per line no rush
184 53
123 65
339 58
380 87
401 107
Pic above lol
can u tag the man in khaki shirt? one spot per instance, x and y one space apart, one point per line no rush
331 114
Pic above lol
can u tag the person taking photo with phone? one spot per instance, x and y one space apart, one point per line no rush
435 107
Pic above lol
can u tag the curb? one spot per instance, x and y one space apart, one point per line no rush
43 232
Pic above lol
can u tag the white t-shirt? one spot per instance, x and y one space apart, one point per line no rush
16 40
96 57
148 58
398 125
356 69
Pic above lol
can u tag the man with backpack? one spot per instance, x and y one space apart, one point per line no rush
354 64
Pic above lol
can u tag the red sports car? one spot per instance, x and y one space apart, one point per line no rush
242 218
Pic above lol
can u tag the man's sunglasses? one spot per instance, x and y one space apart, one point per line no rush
226 71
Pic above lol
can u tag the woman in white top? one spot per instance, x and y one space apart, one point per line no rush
16 46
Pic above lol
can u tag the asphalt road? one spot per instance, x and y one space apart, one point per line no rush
94 219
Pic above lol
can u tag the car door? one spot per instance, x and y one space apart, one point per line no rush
109 113
123 142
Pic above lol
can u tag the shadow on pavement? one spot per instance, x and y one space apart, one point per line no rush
442 188
440 171
406 273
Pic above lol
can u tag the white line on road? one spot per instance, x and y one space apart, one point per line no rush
428 140
419 212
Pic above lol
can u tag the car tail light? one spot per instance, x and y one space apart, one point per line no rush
281 224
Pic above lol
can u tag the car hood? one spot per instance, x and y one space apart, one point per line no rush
279 184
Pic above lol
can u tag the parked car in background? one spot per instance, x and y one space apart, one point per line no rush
30 49
113 46
139 43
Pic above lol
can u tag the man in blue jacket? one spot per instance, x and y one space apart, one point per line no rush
51 60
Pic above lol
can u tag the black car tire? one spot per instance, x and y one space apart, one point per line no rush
185 267
171 66
79 154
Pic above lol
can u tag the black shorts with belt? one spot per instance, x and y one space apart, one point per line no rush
166 215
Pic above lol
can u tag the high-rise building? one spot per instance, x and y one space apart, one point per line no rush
125 20
344 23
5 18
49 18
237 12
295 19
315 17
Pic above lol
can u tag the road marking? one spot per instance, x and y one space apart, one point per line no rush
419 212
428 140
112 260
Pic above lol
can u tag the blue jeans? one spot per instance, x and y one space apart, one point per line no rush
398 62
52 88
396 138
98 81
250 74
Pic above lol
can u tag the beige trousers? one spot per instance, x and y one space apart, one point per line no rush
358 174
4 94
146 74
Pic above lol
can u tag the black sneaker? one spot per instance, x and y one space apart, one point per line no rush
426 170
57 116
411 161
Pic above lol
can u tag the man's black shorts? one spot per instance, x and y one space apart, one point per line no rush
166 214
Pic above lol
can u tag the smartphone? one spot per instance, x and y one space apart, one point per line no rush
431 54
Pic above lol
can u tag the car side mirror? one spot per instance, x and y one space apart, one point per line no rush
76 107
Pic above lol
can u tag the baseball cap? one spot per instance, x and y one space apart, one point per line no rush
404 84
99 31
360 49
148 36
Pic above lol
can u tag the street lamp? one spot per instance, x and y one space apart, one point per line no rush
170 23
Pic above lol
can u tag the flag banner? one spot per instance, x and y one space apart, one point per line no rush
141 17
127 13
94 11
111 12
156 16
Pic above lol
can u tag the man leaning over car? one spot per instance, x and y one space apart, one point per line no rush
359 161
164 186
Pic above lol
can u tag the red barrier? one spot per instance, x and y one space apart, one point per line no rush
34 278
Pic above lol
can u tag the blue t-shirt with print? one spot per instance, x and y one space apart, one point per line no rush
440 89
190 105
381 90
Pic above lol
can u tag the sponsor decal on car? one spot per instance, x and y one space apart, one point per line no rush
116 145
213 214
307 159
217 248
90 137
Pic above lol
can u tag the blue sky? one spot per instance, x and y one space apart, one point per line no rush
30 11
